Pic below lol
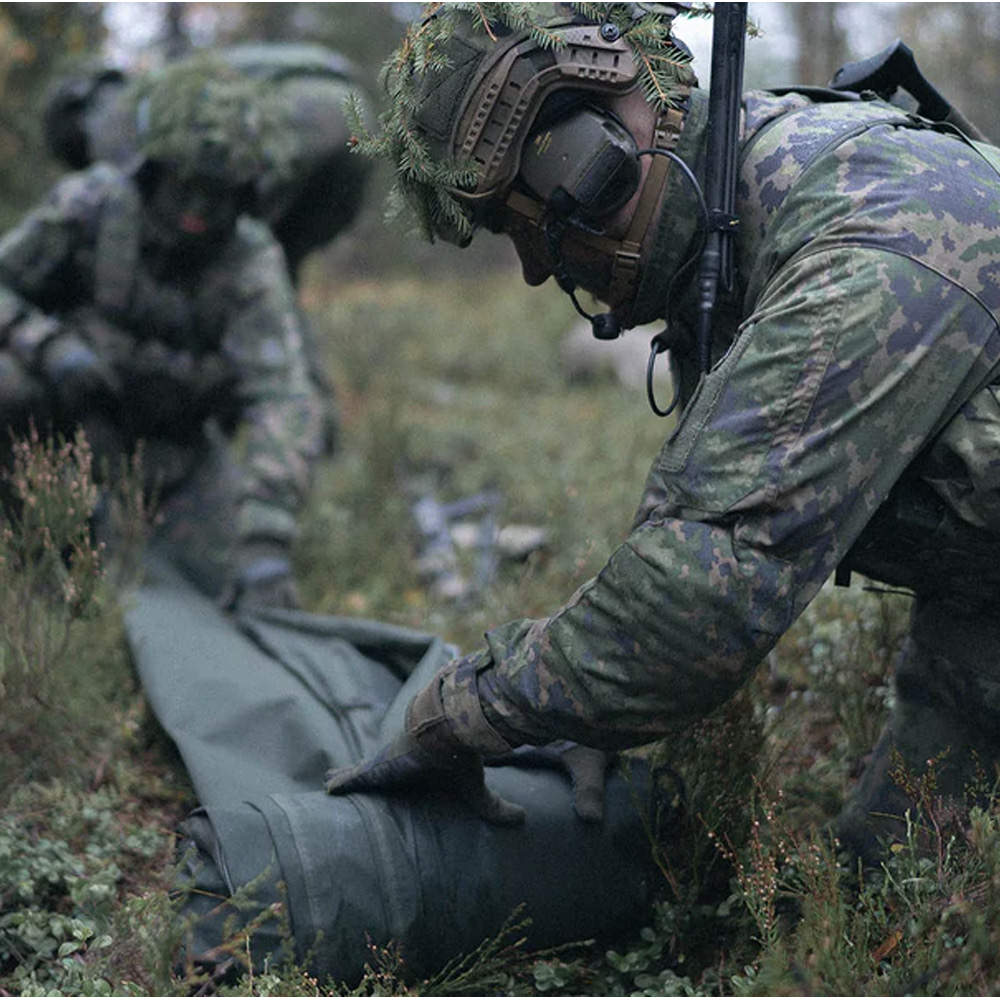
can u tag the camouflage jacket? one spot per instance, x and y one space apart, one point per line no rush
86 249
867 323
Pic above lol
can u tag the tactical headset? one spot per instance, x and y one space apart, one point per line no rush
585 165
578 167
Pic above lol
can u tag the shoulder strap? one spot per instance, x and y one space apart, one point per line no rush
841 120
117 248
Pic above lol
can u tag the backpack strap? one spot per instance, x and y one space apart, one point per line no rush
117 249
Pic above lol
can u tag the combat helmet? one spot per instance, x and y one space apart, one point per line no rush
202 117
467 85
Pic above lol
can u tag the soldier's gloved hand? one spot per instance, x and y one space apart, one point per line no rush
434 750
585 766
76 373
165 385
263 580
159 382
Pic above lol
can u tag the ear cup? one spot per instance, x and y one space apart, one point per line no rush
586 164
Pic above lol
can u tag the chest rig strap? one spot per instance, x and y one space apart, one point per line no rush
117 249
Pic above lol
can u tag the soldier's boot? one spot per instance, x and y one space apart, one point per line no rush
940 751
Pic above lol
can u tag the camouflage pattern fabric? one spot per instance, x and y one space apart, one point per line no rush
867 324
215 336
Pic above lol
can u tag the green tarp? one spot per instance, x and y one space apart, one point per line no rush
262 706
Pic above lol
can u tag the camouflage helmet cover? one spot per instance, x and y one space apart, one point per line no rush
468 81
203 117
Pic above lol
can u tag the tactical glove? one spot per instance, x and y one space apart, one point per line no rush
166 390
435 750
79 377
585 766
165 387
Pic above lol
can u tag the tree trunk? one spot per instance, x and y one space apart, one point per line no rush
822 46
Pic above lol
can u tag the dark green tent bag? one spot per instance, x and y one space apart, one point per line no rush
259 709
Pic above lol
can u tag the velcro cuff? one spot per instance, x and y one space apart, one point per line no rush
460 700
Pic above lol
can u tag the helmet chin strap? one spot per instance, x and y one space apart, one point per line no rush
554 229
625 253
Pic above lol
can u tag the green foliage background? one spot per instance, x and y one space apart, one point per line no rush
36 39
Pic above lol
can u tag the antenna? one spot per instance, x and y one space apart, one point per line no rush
724 95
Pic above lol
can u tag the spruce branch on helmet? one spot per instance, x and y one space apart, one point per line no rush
465 86
204 117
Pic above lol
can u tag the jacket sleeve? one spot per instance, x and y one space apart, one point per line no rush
39 261
852 360
281 429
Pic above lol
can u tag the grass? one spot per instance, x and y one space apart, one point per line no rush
468 402
458 387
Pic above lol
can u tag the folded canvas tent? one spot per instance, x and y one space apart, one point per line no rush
261 707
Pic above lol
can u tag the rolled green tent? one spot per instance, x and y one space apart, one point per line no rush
261 706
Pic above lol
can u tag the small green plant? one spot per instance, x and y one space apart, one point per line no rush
489 969
486 969
51 579
924 921
644 967
756 868
62 659
62 861
48 560
720 759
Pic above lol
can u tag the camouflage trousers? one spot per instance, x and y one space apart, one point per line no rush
192 489
196 524
940 749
